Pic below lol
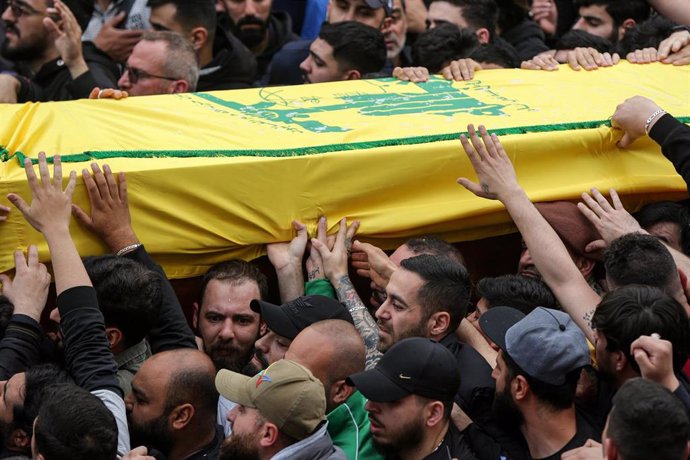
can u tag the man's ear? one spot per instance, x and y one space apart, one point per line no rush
269 434
178 86
519 387
483 35
433 413
340 391
439 323
624 27
181 416
115 337
19 439
585 265
198 37
352 74
610 451
262 328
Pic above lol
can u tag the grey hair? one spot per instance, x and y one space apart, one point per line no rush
181 61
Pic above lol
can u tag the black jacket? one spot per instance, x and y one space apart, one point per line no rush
280 33
172 330
527 38
53 81
233 65
674 139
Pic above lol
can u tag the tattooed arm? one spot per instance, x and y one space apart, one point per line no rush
498 181
364 322
335 268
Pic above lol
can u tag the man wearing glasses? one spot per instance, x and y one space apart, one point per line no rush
43 40
161 63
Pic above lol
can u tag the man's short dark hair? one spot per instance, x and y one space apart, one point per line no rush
581 39
637 258
436 47
356 46
559 397
620 10
627 313
195 387
435 246
192 13
648 421
647 34
667 211
37 379
235 271
446 288
497 53
479 14
520 292
73 424
129 295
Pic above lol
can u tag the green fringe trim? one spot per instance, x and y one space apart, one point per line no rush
5 155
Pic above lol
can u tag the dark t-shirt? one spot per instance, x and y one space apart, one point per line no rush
454 446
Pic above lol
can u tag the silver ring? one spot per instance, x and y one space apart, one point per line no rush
100 93
654 335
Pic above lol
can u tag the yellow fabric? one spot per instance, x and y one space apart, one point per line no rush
382 151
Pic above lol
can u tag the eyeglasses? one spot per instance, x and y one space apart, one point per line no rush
22 9
136 74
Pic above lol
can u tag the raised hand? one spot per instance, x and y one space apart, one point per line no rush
28 291
50 206
371 262
290 254
610 221
494 169
335 260
314 262
110 218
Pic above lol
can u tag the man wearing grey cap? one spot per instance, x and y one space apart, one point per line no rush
410 393
538 366
281 414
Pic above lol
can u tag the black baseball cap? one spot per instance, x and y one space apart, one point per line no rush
417 366
289 319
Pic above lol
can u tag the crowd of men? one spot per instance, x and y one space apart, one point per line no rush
581 353
53 50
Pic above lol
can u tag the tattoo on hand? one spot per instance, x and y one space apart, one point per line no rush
485 187
314 273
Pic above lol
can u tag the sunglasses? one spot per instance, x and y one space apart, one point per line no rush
136 74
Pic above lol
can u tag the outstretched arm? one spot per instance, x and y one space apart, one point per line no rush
498 181
335 266
110 220
286 258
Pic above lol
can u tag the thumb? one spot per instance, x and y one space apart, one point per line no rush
595 245
18 202
82 216
626 140
53 29
471 186
6 282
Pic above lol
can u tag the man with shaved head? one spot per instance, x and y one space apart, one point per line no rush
172 406
332 350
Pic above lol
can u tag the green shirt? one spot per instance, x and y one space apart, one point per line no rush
348 425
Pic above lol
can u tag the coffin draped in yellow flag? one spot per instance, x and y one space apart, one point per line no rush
217 175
